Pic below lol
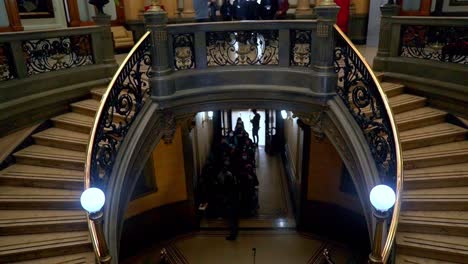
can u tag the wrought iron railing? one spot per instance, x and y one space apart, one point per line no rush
260 43
360 91
440 43
23 54
6 70
119 107
52 54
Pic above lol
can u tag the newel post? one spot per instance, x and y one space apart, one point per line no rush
385 37
323 53
105 47
156 22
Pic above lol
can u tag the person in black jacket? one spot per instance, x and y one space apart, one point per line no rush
268 9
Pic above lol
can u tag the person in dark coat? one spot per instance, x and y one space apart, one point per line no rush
227 10
268 9
255 126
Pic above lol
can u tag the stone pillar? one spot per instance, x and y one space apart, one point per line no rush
303 9
325 41
324 44
385 35
188 11
156 22
107 43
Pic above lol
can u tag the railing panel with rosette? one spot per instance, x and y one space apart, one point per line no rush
361 93
6 69
52 54
259 43
440 43
120 105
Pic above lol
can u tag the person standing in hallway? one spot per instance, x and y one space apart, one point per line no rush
255 126
232 192
201 10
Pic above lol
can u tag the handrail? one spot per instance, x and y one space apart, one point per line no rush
119 107
129 84
370 108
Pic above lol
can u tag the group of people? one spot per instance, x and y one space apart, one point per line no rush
228 183
241 9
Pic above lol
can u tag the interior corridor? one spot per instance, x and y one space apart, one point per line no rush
275 209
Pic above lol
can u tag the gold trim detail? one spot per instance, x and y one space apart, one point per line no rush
96 239
399 162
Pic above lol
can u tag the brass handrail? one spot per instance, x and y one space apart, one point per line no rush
398 162
97 238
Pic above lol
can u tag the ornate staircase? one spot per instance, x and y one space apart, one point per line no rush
41 220
433 224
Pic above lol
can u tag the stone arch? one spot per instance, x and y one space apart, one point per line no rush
331 118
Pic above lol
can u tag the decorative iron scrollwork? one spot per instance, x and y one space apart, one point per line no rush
45 55
6 70
243 48
446 44
301 46
361 96
184 51
125 99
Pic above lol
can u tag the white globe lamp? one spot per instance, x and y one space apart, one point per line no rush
92 200
284 114
210 115
382 197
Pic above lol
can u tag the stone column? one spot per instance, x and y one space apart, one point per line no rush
156 22
303 9
107 43
188 11
385 35
324 44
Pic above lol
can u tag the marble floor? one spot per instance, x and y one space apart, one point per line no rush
271 247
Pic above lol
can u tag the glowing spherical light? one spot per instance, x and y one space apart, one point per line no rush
92 200
210 114
382 197
284 114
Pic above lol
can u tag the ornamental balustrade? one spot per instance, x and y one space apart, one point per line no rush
24 54
192 48
427 41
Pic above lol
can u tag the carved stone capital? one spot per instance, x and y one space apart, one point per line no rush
169 126
315 121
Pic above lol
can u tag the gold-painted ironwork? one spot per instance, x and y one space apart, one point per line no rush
398 158
95 227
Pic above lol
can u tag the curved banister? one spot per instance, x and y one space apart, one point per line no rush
362 94
120 104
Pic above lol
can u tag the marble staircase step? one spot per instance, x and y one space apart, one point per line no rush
27 247
438 155
87 107
97 93
62 138
406 102
81 258
38 155
436 199
22 198
42 177
416 118
74 122
392 89
454 223
431 135
435 177
404 259
18 222
438 247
